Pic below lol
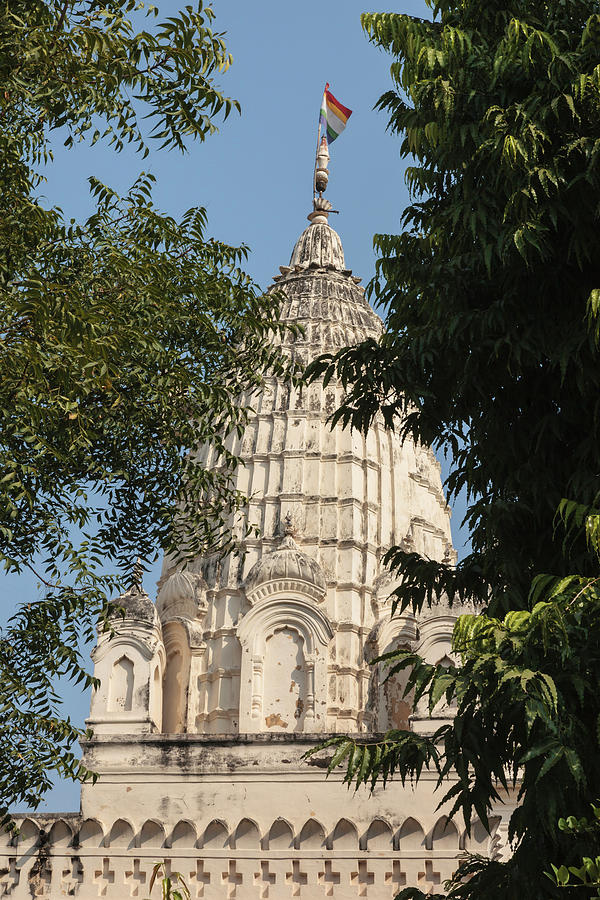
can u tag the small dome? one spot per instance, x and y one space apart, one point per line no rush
137 606
182 594
286 562
319 245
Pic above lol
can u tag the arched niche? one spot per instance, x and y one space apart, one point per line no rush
60 834
216 834
247 835
411 835
435 637
344 836
312 836
480 840
176 677
379 836
28 835
445 835
281 836
393 706
120 688
128 698
183 835
293 631
121 835
91 834
152 834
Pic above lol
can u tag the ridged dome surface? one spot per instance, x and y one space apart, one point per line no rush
319 245
288 562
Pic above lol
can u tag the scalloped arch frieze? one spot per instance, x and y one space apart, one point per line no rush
285 586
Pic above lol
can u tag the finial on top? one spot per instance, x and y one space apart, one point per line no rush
137 576
320 213
321 171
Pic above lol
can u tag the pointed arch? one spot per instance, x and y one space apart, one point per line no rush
7 838
216 834
247 835
281 835
121 835
120 688
28 835
61 834
411 835
152 834
445 835
183 835
344 836
478 841
379 836
91 834
312 836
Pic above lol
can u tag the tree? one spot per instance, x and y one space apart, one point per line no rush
126 344
492 297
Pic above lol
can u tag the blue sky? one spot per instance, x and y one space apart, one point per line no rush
255 176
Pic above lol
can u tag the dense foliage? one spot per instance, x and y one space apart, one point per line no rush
488 289
492 294
527 720
125 344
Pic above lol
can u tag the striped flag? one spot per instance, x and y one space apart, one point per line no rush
334 115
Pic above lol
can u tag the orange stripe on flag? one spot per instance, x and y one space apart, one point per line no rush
342 111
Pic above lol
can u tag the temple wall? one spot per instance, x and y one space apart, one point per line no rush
243 819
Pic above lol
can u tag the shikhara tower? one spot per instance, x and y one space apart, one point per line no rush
209 698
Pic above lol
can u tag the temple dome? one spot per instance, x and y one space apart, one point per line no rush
319 245
287 562
137 606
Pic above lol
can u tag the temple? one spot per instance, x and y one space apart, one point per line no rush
209 697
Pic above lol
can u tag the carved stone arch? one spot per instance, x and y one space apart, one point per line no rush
401 629
7 839
445 661
444 835
411 835
129 696
121 835
121 684
392 708
91 834
28 836
294 626
481 841
132 642
378 836
183 835
280 836
152 834
344 836
61 834
312 836
216 834
247 835
436 637
176 678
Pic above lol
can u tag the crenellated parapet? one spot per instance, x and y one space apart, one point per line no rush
337 856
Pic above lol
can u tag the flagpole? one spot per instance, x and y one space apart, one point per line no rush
316 152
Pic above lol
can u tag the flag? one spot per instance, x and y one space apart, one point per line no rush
334 115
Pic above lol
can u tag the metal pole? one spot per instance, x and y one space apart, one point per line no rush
316 152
